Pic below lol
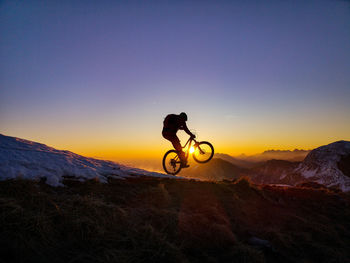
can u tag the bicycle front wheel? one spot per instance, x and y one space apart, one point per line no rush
203 152
171 162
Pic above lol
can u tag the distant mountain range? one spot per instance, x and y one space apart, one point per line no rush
328 165
249 161
235 160
295 155
276 172
217 169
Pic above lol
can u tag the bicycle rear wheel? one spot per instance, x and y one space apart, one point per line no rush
171 162
203 152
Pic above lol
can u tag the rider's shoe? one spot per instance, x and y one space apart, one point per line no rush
184 165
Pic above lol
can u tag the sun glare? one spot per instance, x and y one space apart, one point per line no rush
192 149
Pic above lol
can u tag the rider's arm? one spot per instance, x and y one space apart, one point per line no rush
184 126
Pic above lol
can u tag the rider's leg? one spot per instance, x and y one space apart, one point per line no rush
177 145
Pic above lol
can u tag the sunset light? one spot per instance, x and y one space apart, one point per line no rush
99 79
192 149
175 131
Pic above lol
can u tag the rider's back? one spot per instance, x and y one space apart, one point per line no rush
172 123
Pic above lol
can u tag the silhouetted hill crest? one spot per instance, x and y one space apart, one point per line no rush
217 169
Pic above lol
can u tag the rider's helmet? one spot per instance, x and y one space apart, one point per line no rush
183 116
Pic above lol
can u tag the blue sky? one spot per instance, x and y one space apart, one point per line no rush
87 75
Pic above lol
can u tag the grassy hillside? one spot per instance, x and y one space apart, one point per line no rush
164 220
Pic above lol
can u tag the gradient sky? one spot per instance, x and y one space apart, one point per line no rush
98 77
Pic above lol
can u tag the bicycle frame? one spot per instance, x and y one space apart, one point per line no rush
187 152
189 142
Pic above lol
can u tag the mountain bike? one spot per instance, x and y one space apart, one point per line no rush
202 152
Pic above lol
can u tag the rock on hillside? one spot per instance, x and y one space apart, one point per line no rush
328 165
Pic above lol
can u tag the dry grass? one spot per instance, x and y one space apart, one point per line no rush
163 220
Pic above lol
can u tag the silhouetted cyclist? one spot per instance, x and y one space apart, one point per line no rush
171 124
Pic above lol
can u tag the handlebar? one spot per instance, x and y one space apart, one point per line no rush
192 138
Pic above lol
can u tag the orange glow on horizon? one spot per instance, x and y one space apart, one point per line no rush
127 141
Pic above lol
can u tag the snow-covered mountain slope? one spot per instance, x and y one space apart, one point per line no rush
328 165
30 160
